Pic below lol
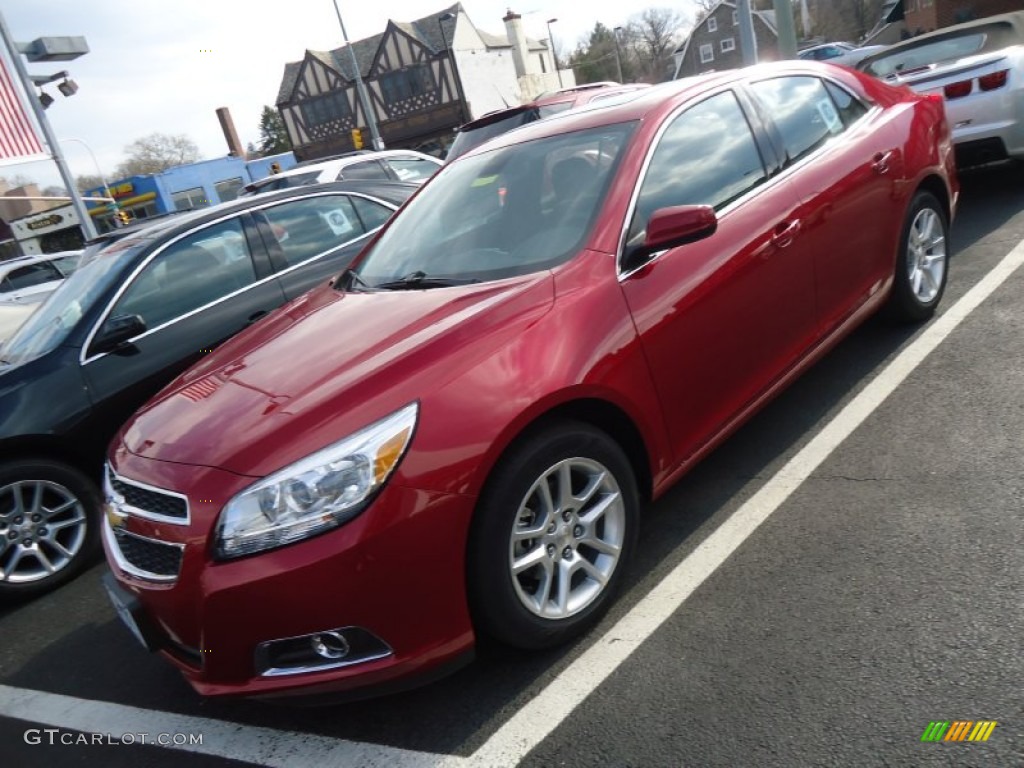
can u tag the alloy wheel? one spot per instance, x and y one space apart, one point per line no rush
926 257
42 528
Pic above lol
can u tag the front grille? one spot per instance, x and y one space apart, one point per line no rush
151 501
149 557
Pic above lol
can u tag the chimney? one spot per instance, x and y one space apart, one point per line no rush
517 39
230 135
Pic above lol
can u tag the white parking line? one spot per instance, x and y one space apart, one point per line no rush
537 718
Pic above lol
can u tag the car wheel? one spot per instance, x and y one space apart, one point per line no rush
552 535
922 265
48 530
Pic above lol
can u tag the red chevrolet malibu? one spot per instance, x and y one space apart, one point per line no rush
457 437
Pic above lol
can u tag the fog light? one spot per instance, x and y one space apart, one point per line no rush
330 645
319 651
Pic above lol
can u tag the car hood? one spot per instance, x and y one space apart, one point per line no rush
326 365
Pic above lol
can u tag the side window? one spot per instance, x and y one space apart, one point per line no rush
412 168
33 274
198 269
802 110
707 156
368 170
372 214
851 109
314 225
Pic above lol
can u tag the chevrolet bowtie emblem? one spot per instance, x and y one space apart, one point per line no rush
115 517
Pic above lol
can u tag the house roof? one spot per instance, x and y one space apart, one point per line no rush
427 30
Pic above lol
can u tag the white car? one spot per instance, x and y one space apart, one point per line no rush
826 51
385 165
978 67
30 278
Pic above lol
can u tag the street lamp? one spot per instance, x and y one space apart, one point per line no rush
378 143
618 56
554 54
448 16
49 49
99 171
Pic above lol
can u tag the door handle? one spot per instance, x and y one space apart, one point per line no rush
785 232
880 162
256 316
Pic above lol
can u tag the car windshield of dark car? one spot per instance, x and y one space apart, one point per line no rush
916 57
474 137
513 210
49 325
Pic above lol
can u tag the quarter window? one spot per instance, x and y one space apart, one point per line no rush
28 276
707 156
851 109
368 170
373 215
193 272
307 228
802 110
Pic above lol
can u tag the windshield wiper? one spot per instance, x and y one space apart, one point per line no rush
420 279
350 279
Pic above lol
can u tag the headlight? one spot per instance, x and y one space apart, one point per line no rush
318 493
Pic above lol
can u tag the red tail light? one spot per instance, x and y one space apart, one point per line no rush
957 90
993 81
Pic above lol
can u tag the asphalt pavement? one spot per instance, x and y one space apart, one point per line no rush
881 593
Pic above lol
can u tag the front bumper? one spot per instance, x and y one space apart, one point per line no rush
396 572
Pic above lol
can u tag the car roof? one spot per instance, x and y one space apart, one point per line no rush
338 163
649 101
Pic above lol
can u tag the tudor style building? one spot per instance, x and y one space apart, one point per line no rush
416 94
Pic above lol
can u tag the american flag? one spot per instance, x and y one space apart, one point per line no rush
18 138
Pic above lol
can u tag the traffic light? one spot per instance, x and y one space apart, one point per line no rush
123 217
275 168
357 138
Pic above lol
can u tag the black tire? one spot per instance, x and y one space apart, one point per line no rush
497 604
75 528
905 304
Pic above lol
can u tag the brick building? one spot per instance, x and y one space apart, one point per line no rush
928 15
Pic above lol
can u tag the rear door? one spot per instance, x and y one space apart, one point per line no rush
193 294
844 161
312 239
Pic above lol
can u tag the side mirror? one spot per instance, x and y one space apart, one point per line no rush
116 331
672 227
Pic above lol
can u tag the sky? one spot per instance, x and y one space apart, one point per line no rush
167 66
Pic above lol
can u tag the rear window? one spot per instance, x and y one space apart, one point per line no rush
915 55
471 138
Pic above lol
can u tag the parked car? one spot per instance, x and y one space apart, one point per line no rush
134 315
457 437
979 68
386 165
36 275
825 51
476 132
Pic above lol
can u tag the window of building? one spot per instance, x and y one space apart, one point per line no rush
728 44
188 199
735 18
543 66
707 53
228 189
406 83
323 109
712 24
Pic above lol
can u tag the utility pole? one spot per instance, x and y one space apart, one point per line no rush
748 43
364 98
618 54
785 28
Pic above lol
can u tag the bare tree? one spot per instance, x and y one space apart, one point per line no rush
847 19
703 8
88 181
157 152
656 31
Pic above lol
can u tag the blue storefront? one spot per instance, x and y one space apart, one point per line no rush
182 188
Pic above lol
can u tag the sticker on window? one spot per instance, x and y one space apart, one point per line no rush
828 113
338 221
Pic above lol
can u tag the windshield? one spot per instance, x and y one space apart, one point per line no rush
471 137
506 212
49 325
